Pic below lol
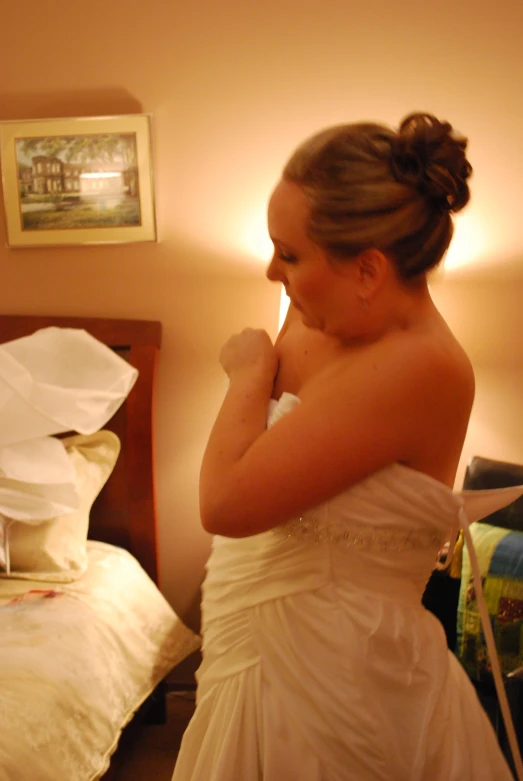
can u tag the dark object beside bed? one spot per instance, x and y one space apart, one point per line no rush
486 473
441 598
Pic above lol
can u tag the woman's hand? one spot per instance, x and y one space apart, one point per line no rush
250 350
250 360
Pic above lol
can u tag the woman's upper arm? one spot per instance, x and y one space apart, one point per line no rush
367 417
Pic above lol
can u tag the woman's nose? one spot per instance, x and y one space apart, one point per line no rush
273 273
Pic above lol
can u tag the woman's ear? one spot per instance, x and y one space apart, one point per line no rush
372 267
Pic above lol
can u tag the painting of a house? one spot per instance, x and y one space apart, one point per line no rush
82 181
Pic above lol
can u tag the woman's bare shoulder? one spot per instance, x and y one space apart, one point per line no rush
427 379
302 353
409 357
448 363
421 388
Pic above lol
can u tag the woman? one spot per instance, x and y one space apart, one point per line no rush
319 662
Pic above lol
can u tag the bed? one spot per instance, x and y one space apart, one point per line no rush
80 656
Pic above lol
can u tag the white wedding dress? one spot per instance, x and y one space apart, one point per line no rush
319 661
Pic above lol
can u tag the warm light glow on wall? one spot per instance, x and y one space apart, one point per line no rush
284 305
468 243
253 236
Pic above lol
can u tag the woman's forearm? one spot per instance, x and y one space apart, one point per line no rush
241 420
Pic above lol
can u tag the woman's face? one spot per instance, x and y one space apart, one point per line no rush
314 284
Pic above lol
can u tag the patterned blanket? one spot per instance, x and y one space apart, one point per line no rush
500 555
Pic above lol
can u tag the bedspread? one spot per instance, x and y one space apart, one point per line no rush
75 665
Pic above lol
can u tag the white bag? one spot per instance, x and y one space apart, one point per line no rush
58 380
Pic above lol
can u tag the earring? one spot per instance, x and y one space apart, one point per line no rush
364 302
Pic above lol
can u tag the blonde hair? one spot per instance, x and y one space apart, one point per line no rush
371 186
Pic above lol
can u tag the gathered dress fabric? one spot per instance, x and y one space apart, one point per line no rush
320 662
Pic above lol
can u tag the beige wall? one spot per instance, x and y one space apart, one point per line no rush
496 428
231 87
486 313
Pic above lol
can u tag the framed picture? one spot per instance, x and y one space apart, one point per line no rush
85 180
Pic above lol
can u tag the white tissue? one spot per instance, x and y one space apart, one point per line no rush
37 461
37 481
58 380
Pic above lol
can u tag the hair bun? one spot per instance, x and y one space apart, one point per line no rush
427 155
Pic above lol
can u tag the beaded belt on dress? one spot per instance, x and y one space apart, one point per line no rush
362 537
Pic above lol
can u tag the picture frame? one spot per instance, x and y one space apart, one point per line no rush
79 180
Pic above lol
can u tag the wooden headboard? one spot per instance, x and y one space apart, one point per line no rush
124 514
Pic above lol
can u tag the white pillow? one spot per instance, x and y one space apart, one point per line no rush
55 549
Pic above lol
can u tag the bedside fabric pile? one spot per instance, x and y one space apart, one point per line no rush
54 381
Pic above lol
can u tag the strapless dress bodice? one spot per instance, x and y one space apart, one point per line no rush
381 535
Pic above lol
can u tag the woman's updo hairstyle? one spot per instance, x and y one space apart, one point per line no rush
369 186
